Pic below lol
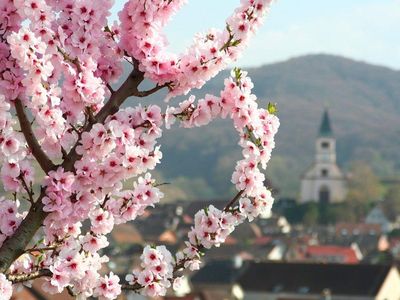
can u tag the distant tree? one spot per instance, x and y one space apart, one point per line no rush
311 215
391 204
364 185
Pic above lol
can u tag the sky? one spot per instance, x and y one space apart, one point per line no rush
365 30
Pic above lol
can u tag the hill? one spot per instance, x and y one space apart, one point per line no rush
364 105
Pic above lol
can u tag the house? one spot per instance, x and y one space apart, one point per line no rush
330 254
357 229
126 234
219 280
368 237
284 281
273 250
296 281
377 216
275 224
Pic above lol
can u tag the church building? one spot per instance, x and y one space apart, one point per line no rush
324 181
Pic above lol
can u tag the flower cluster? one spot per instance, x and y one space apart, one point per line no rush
11 74
157 270
108 287
74 267
58 59
13 156
256 128
212 51
10 218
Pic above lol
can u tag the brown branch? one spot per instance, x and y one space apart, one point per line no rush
29 191
233 201
126 90
110 88
14 246
74 61
134 287
18 278
149 92
40 249
44 161
181 265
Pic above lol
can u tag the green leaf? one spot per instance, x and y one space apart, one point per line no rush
235 43
206 211
272 108
238 73
40 258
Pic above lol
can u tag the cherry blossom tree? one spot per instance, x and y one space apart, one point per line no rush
59 61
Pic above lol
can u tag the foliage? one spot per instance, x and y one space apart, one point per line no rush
312 213
364 186
391 203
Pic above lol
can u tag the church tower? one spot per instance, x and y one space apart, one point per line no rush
324 181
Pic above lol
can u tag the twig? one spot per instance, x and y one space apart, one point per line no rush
110 88
30 192
149 92
69 59
233 201
181 264
52 248
17 278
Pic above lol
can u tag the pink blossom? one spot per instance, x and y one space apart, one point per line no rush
5 287
108 287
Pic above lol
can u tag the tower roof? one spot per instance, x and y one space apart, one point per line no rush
325 128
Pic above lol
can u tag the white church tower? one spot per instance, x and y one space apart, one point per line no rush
324 181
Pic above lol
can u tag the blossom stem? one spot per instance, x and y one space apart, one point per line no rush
233 201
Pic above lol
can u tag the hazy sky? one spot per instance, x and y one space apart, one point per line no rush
367 30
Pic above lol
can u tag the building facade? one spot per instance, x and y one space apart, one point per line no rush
324 181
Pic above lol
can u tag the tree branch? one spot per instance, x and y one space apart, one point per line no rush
17 278
126 90
44 161
29 191
178 267
134 287
233 201
14 246
32 250
149 92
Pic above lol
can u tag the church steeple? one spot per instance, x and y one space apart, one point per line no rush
325 143
325 128
324 182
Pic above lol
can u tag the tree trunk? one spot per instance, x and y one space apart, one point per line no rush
15 245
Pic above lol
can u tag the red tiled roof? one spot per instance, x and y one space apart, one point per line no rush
263 240
230 240
347 254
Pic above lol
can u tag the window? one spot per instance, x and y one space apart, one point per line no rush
325 145
304 289
324 173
